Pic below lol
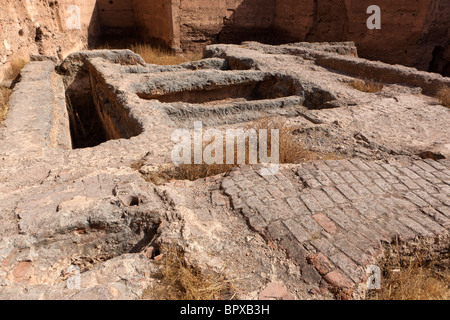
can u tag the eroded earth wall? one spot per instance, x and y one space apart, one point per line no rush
233 21
45 27
411 31
154 21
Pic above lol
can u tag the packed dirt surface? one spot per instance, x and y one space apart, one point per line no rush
72 198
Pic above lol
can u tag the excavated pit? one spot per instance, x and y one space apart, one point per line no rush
96 116
214 94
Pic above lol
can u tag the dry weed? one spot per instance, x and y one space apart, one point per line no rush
444 97
5 93
366 86
413 278
14 69
152 54
176 280
291 151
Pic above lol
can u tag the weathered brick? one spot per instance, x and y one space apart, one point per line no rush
335 195
321 263
267 213
415 199
310 225
227 183
324 246
333 163
372 175
444 210
437 216
245 184
389 178
360 164
348 177
294 250
416 227
253 202
348 165
375 190
321 166
362 178
310 275
443 198
427 198
275 192
335 177
425 221
348 192
409 173
257 223
277 230
341 219
383 185
312 183
375 166
297 206
408 182
351 251
323 179
365 210
424 166
434 164
311 202
322 198
328 225
428 187
340 281
297 230
283 209
361 190
400 187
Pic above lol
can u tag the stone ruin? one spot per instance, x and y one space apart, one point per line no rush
415 35
73 199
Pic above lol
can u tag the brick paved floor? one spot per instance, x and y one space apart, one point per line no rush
335 215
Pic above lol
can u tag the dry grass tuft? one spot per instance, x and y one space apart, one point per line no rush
5 93
15 68
444 97
152 54
177 280
156 55
367 86
413 278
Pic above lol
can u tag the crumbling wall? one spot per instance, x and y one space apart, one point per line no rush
116 17
204 22
410 32
47 27
154 19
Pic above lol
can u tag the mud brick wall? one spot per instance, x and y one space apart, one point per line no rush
116 17
204 22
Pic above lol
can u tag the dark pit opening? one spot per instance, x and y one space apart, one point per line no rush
96 115
85 125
